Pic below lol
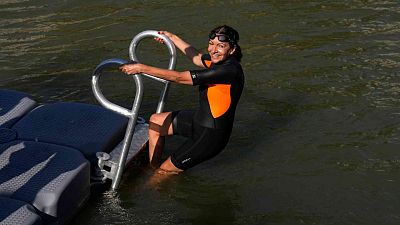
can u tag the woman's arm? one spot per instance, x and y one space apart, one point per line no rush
171 75
192 53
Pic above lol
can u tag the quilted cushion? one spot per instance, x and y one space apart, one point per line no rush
13 105
14 212
54 179
88 128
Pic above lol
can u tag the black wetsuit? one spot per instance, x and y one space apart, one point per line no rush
209 127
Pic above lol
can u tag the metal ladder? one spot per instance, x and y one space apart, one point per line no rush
112 165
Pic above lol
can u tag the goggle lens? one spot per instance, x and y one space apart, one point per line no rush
221 37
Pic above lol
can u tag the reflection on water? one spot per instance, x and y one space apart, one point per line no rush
317 129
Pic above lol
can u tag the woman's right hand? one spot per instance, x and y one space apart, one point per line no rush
166 33
131 68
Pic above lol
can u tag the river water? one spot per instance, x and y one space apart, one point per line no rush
316 137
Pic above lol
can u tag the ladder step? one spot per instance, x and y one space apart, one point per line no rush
139 140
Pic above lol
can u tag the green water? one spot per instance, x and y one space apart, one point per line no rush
316 138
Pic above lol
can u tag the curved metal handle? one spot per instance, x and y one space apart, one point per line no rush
172 61
99 95
152 33
131 114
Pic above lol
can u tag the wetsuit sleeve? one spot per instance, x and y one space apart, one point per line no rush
219 75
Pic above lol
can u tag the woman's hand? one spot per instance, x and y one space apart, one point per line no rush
166 33
193 54
132 68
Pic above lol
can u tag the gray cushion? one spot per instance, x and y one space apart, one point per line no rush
14 212
53 179
88 128
13 105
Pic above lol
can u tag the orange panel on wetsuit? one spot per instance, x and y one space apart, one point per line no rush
219 98
207 63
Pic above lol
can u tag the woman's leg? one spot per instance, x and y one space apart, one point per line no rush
168 167
160 125
166 170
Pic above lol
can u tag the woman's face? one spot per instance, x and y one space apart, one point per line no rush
219 51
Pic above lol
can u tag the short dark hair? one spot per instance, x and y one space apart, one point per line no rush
233 37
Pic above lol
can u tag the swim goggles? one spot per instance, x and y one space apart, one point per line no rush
221 37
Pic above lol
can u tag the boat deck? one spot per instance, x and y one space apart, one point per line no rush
49 156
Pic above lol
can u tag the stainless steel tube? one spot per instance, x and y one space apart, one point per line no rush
131 114
171 66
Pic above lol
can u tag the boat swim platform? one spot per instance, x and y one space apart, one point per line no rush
51 154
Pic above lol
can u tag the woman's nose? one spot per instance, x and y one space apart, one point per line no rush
214 48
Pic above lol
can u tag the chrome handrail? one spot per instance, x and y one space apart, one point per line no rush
171 66
131 114
96 88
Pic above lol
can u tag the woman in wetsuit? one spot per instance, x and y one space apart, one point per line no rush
209 127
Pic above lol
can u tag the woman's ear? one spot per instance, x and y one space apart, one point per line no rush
232 51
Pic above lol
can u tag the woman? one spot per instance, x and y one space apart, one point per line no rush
220 82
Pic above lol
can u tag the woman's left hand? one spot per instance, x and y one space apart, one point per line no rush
166 33
131 68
